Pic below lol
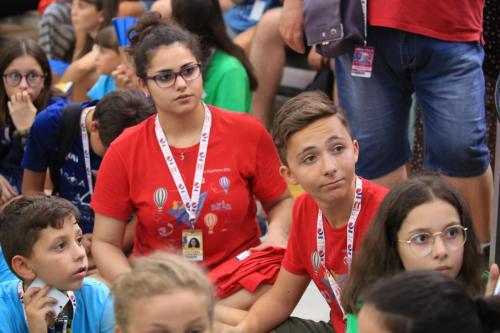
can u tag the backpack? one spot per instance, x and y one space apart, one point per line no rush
70 129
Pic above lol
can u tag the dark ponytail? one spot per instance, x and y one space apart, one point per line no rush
152 32
431 302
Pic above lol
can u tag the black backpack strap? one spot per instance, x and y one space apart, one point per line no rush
70 125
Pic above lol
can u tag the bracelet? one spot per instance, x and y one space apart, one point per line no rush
21 134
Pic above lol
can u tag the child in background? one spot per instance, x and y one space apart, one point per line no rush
422 224
25 90
108 59
41 239
165 293
88 18
426 302
329 220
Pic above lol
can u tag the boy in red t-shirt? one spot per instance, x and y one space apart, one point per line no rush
329 220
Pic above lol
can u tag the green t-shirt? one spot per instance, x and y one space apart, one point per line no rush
226 83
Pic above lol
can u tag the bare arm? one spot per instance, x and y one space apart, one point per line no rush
292 25
280 220
33 182
282 299
80 68
107 244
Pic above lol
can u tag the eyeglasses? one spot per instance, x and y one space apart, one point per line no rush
421 244
33 78
166 79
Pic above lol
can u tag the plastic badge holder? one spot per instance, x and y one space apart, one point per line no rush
122 25
60 298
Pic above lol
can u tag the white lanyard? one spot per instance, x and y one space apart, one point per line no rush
20 294
190 204
86 148
365 17
321 240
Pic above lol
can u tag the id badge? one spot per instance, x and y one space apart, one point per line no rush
192 244
362 62
257 10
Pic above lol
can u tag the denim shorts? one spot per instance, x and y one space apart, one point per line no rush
448 80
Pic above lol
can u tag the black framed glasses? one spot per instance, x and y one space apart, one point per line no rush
421 244
166 79
33 78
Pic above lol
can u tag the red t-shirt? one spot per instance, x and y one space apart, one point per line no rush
302 244
459 21
241 163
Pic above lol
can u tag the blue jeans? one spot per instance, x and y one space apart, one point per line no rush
448 80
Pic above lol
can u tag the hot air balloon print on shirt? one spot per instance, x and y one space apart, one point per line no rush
159 197
224 183
210 221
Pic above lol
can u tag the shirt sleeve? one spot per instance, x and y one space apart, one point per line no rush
111 195
268 184
43 139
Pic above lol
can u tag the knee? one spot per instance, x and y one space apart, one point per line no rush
268 26
458 156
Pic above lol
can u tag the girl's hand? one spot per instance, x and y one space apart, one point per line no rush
492 280
22 111
38 309
7 192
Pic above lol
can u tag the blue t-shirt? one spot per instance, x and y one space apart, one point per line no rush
103 86
94 309
238 15
5 272
43 142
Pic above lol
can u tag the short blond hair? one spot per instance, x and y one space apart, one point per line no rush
300 112
158 274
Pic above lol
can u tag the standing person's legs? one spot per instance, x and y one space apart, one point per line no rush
267 56
377 108
449 84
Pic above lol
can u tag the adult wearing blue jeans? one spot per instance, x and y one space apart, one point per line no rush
432 48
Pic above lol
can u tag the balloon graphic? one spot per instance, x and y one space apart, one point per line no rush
224 183
315 261
210 221
160 197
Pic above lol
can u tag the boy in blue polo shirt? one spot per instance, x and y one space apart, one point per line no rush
41 238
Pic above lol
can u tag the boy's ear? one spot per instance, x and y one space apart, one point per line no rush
22 267
356 150
286 173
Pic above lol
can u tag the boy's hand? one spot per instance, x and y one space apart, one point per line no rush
7 192
38 309
22 111
492 280
275 237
